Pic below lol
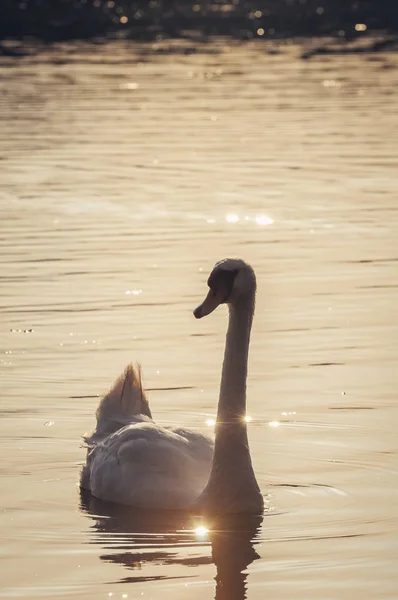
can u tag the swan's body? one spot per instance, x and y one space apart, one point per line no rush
131 460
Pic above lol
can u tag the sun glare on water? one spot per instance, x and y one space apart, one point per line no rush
201 530
201 533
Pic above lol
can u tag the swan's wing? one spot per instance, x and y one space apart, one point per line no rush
98 437
148 466
200 445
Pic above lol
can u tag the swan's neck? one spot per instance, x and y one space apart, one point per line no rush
232 485
232 400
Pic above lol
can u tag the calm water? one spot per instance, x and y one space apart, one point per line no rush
124 176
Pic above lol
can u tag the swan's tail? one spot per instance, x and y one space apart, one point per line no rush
124 401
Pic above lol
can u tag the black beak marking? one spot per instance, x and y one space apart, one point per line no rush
198 312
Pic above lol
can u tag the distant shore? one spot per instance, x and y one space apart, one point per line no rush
307 48
49 21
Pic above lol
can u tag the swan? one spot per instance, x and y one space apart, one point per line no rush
134 461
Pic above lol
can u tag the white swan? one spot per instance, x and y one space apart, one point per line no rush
131 460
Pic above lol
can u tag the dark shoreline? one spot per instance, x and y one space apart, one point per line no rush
191 43
49 21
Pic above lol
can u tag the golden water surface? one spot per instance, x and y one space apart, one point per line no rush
125 174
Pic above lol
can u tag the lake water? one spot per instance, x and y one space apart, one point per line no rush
126 173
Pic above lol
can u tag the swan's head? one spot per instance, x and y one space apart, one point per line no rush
230 282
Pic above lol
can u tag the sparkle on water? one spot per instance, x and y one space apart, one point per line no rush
201 533
232 218
264 220
130 85
235 218
201 530
211 422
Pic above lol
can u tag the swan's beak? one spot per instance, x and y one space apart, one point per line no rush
210 303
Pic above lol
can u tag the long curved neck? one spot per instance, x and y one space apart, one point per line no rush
231 430
232 486
232 400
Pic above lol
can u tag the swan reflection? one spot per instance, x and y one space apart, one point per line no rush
232 539
137 539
